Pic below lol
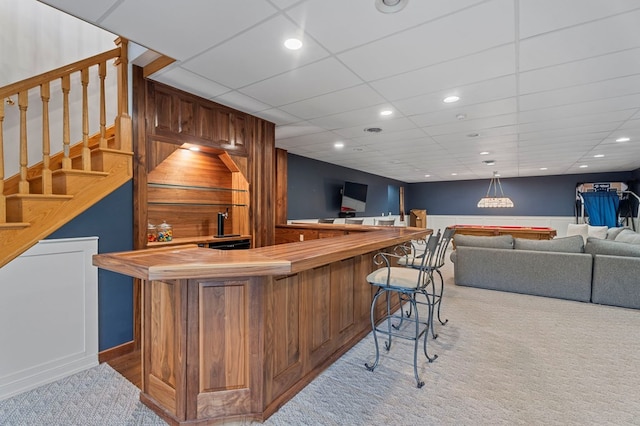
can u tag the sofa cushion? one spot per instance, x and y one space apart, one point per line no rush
612 233
573 244
581 229
498 242
612 248
597 231
628 236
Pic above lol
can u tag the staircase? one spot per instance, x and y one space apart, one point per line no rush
42 197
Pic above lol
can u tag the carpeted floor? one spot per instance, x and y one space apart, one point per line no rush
504 359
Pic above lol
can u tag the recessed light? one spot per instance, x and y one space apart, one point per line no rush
598 156
543 168
293 44
372 129
386 112
390 6
451 99
194 148
338 145
427 175
623 139
490 162
584 166
461 116
454 174
484 153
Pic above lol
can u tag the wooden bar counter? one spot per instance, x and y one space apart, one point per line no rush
233 335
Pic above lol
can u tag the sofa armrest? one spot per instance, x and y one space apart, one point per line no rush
616 281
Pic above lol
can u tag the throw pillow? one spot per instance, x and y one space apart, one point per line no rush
597 231
612 233
499 242
611 248
573 244
628 236
581 229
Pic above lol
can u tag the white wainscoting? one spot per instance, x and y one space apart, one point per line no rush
48 314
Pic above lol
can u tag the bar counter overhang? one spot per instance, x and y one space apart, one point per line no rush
233 335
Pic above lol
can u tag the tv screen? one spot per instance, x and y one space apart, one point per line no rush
354 197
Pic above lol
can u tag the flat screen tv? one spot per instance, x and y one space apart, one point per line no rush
354 197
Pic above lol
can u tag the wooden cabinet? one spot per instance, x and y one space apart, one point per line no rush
177 112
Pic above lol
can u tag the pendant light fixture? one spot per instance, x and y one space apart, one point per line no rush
495 201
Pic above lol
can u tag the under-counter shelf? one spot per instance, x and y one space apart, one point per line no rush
202 240
192 187
170 203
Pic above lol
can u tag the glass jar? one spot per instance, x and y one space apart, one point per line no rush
152 233
165 232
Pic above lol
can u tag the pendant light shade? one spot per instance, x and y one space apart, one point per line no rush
495 201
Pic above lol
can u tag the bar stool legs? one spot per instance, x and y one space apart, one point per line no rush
391 330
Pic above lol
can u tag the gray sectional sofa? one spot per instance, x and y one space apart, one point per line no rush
604 271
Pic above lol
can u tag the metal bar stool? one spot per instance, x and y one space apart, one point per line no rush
408 283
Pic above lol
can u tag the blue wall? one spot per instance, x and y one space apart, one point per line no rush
532 196
313 189
111 220
314 192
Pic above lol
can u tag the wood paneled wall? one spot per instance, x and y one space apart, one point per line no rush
165 119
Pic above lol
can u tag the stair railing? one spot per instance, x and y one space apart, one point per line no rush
123 139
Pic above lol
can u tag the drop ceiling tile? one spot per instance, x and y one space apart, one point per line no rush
478 28
483 134
610 66
278 116
334 103
263 45
358 22
393 125
241 102
296 129
601 122
319 78
89 11
580 42
449 75
319 140
478 125
542 16
471 112
388 136
181 32
193 83
355 117
581 93
600 106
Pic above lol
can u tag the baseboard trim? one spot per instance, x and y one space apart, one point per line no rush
117 351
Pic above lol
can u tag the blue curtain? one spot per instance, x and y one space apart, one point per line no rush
602 208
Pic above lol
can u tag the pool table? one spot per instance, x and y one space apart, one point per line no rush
529 232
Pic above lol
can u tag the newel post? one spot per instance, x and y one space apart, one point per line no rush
123 120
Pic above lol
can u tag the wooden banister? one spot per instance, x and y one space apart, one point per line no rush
23 182
36 81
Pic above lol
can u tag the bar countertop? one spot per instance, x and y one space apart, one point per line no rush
191 261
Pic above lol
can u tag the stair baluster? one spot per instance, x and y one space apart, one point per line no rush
3 201
47 187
